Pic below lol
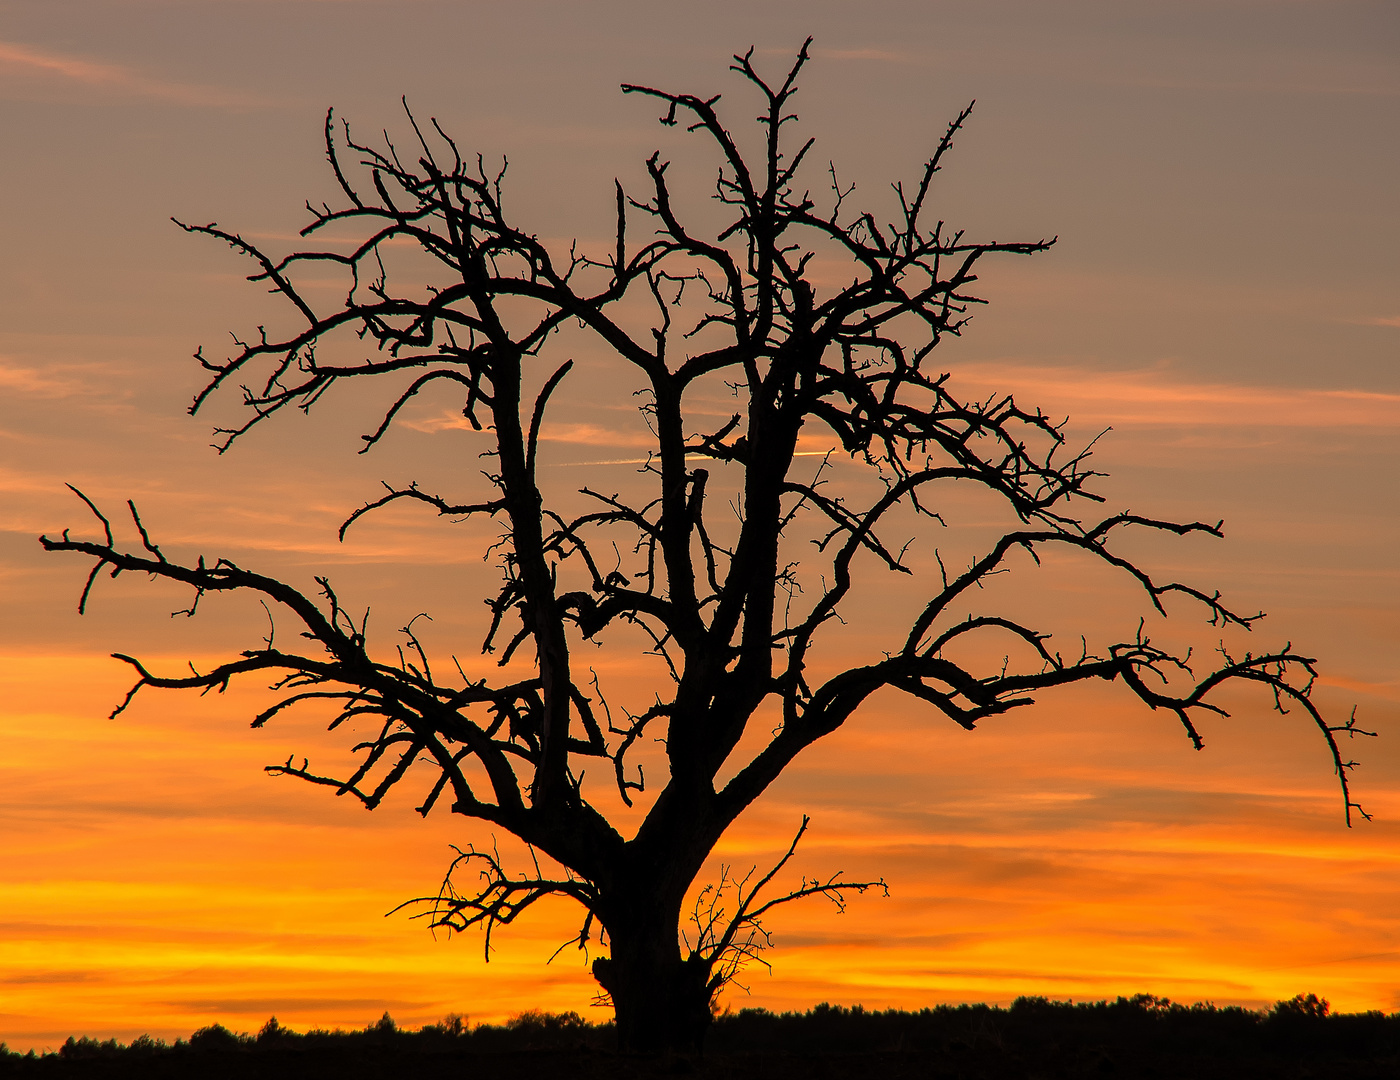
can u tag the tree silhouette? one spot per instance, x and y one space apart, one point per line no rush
733 604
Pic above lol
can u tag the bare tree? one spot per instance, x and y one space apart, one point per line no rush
730 611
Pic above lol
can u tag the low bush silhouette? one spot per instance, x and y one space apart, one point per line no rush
1139 1036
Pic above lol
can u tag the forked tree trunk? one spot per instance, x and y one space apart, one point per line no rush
662 1002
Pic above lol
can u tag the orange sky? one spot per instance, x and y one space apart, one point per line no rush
1224 295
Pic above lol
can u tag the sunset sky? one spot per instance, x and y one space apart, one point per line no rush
1224 294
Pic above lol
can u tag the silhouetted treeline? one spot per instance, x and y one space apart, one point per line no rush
1142 1036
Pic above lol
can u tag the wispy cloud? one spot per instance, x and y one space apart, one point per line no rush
1154 397
1340 85
578 434
31 63
888 56
15 379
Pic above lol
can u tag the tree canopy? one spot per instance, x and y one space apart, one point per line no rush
736 561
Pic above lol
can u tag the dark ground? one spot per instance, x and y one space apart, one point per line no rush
1035 1039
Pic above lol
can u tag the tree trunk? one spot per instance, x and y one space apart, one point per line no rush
662 1002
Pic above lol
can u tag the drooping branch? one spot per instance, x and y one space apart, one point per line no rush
496 898
421 719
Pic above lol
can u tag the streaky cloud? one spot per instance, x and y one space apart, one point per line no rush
1154 397
26 60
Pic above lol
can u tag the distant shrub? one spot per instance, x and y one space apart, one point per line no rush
272 1033
145 1046
453 1024
89 1048
536 1020
218 1037
1302 1005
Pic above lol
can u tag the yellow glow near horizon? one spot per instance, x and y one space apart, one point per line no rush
157 888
